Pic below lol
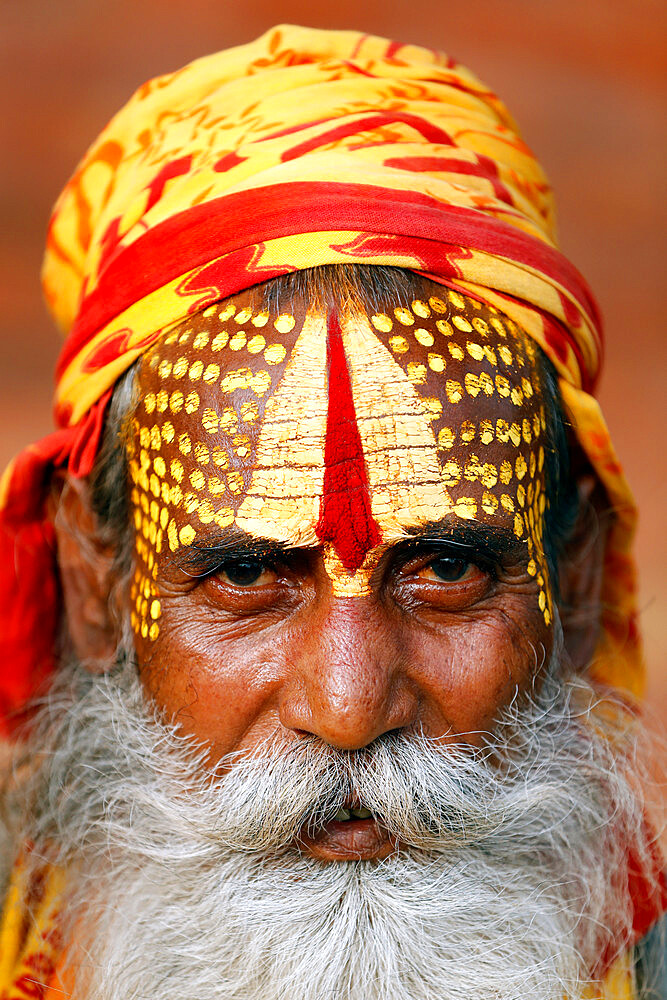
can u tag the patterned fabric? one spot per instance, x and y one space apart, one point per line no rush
301 149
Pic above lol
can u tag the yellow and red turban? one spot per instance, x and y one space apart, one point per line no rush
300 149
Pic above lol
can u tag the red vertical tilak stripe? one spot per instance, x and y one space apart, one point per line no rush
345 513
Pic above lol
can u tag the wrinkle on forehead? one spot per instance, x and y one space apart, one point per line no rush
236 417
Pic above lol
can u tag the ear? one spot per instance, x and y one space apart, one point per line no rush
581 571
86 573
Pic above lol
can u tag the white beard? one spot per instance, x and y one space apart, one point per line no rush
188 884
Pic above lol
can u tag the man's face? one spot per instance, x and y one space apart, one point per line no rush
339 527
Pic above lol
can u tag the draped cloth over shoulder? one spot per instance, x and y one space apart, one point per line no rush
300 149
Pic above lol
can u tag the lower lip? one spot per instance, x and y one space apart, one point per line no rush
352 840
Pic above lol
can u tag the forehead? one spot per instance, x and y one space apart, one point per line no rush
305 427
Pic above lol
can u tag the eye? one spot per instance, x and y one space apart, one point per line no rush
247 573
448 569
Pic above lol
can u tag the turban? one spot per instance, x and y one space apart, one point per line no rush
303 148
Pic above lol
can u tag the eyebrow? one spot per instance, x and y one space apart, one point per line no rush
484 541
209 553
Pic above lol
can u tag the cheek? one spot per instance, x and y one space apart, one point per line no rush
473 670
217 689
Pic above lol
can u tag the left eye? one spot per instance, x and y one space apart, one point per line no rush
247 573
447 569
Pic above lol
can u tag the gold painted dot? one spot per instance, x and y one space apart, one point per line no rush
176 401
191 502
235 482
164 518
382 322
516 396
176 496
211 311
456 300
164 371
249 412
243 315
465 507
216 486
437 304
515 435
527 387
184 444
220 457
238 378
155 609
480 326
489 475
227 312
521 495
526 430
456 351
201 340
168 431
416 373
260 383
444 327
533 464
187 534
399 345
284 323
490 355
476 351
433 407
542 600
486 431
507 502
162 400
224 517
274 354
156 438
196 368
211 374
489 502
446 437
420 309
454 390
404 316
468 431
220 341
144 437
518 525
472 384
229 421
160 466
192 402
205 511
505 354
238 341
423 337
540 459
531 567
506 472
149 402
502 430
261 319
210 421
144 630
451 472
436 362
180 367
154 631
202 453
256 344
502 386
498 326
154 510
461 323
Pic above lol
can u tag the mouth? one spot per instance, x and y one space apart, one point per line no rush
354 834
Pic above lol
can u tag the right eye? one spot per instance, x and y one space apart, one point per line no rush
247 573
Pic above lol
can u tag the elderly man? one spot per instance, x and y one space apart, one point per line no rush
324 583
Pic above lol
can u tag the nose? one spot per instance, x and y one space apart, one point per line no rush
349 684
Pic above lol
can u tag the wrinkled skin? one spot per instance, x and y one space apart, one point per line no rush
254 635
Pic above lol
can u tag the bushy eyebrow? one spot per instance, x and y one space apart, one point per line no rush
209 553
494 543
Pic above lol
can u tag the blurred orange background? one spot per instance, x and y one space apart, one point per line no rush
585 79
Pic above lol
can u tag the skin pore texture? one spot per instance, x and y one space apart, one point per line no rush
339 527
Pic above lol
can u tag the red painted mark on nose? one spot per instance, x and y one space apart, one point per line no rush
345 512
